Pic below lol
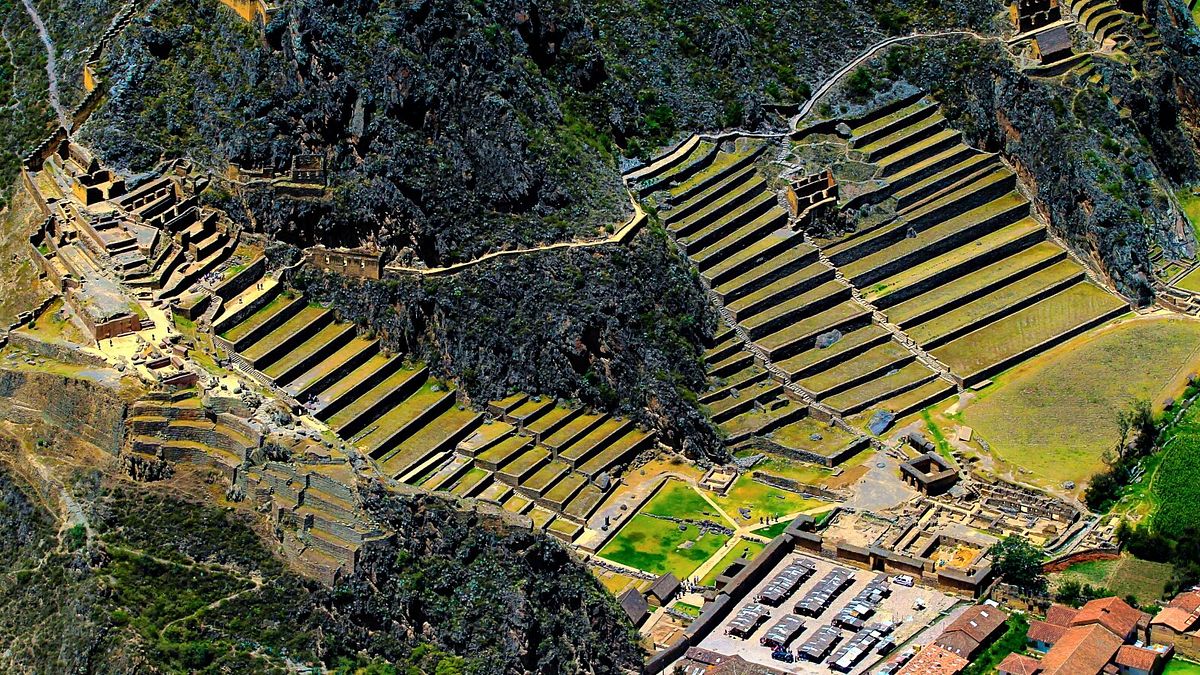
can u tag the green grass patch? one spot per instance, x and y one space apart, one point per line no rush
762 500
677 499
660 546
743 548
1013 640
687 608
1178 666
1056 415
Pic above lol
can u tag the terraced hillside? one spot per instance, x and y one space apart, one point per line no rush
956 281
549 461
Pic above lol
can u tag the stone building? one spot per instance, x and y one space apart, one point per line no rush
1029 15
354 262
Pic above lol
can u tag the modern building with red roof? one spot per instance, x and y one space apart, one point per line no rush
934 660
1097 638
1178 624
977 626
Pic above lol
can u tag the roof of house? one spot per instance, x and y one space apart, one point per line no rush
1188 601
933 660
1113 613
664 587
1083 650
979 622
1176 618
958 642
634 604
1019 664
1044 631
1060 615
1137 658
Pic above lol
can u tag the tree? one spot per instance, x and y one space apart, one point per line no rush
1020 563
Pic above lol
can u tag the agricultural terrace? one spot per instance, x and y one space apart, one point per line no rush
1055 414
1123 576
1176 486
658 545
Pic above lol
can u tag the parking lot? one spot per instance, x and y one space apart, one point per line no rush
899 608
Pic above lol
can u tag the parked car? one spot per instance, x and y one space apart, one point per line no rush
903 580
783 654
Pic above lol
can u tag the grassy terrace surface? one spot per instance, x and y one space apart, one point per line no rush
971 163
289 328
800 276
356 376
327 366
902 133
540 516
889 118
1153 357
516 503
799 302
743 236
275 306
544 477
429 437
565 488
402 414
443 478
985 277
529 408
981 308
500 453
798 435
757 390
713 229
762 500
733 191
933 160
869 361
1033 325
695 203
722 161
468 483
812 325
598 436
390 383
795 252
882 386
756 420
932 235
606 457
569 430
969 251
565 527
495 492
927 392
307 348
486 433
849 341
549 419
582 504
526 461
916 148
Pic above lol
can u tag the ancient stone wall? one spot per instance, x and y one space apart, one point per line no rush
80 407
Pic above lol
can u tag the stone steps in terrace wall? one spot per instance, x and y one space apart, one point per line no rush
372 402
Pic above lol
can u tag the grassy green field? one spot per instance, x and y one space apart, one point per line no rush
680 500
659 546
1123 576
1176 489
762 500
1178 666
1056 414
743 548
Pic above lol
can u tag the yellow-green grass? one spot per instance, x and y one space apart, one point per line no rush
584 502
762 500
403 414
676 499
1176 484
1027 328
699 150
548 420
1123 576
902 132
953 258
752 251
276 305
831 287
614 582
504 450
1055 415
421 443
869 361
798 436
798 277
983 278
567 527
812 325
355 377
368 399
1190 281
53 326
306 349
737 239
661 546
722 161
918 395
889 118
568 485
619 447
570 430
330 364
515 503
881 386
742 548
1189 202
289 328
687 608
756 184
545 476
540 516
755 420
849 341
469 481
917 148
1177 665
526 461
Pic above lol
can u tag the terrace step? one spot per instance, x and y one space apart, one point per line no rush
351 419
801 336
328 341
892 384
505 405
696 202
283 340
797 283
595 441
352 386
405 418
720 209
483 438
986 279
919 398
320 377
749 270
903 138
266 320
730 407
562 492
449 474
817 360
770 221
802 306
584 503
552 421
731 365
437 437
472 483
711 184
538 483
696 162
871 133
997 304
754 376
572 432
726 224
503 451
914 195
628 446
858 369
920 151
529 411
730 346
521 468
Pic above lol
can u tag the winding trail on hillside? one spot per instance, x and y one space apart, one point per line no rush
831 81
51 63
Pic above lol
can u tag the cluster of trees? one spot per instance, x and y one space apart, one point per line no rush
1137 430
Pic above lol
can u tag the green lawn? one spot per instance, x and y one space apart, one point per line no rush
762 500
1189 202
1123 576
1178 666
743 548
680 500
659 546
1055 415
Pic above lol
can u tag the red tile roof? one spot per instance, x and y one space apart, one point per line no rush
1177 619
1042 631
1113 613
1188 601
933 660
980 622
1019 664
1137 658
1082 650
1060 615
